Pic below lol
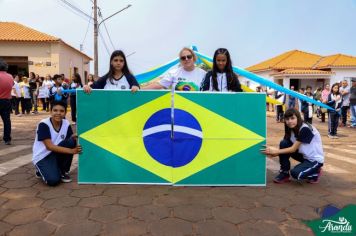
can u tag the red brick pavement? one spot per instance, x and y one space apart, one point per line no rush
28 207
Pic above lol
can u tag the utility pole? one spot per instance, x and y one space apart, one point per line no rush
95 40
96 32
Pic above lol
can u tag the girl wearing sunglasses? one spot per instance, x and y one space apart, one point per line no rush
187 77
221 77
119 76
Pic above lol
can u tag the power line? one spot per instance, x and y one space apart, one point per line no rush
71 10
87 27
75 8
105 45
106 29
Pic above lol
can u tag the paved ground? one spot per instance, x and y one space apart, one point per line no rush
28 207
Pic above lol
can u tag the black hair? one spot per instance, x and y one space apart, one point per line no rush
288 131
3 65
231 77
59 103
32 75
78 79
125 69
332 91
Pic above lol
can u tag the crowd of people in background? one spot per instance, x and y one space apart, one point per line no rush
33 93
341 97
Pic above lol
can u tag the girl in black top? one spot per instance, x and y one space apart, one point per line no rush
221 77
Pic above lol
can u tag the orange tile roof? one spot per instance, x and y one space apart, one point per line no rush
289 60
338 60
15 32
300 60
12 31
303 72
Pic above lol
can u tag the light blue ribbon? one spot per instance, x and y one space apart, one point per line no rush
260 80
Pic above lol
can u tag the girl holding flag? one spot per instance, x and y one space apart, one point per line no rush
119 76
221 77
302 142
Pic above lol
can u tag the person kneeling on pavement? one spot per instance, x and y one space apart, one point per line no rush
54 147
302 142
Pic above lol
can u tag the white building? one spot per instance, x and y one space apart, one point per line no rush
300 69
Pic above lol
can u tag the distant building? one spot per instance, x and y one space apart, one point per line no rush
28 50
300 68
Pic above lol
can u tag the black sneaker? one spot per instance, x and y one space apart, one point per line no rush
38 175
65 178
314 179
282 177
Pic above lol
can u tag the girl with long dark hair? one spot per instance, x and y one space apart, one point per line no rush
221 77
334 101
119 76
302 142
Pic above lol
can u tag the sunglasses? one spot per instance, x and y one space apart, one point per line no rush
188 57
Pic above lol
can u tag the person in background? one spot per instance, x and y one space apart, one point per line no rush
43 94
353 103
90 79
6 84
334 101
324 97
221 78
75 84
16 96
281 97
26 104
307 107
33 85
301 91
55 93
291 99
345 106
317 97
187 77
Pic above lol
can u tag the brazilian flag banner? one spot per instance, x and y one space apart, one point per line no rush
185 138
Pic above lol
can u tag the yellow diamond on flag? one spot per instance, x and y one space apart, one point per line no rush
125 135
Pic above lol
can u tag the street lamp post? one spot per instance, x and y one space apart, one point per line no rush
96 31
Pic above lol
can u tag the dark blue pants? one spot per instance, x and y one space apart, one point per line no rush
291 103
73 108
5 109
279 113
333 122
304 170
344 114
53 166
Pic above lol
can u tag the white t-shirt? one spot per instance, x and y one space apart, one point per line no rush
43 91
120 84
183 80
48 83
222 82
17 91
25 90
311 146
345 98
44 131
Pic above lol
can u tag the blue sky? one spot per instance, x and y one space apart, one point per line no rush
156 30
